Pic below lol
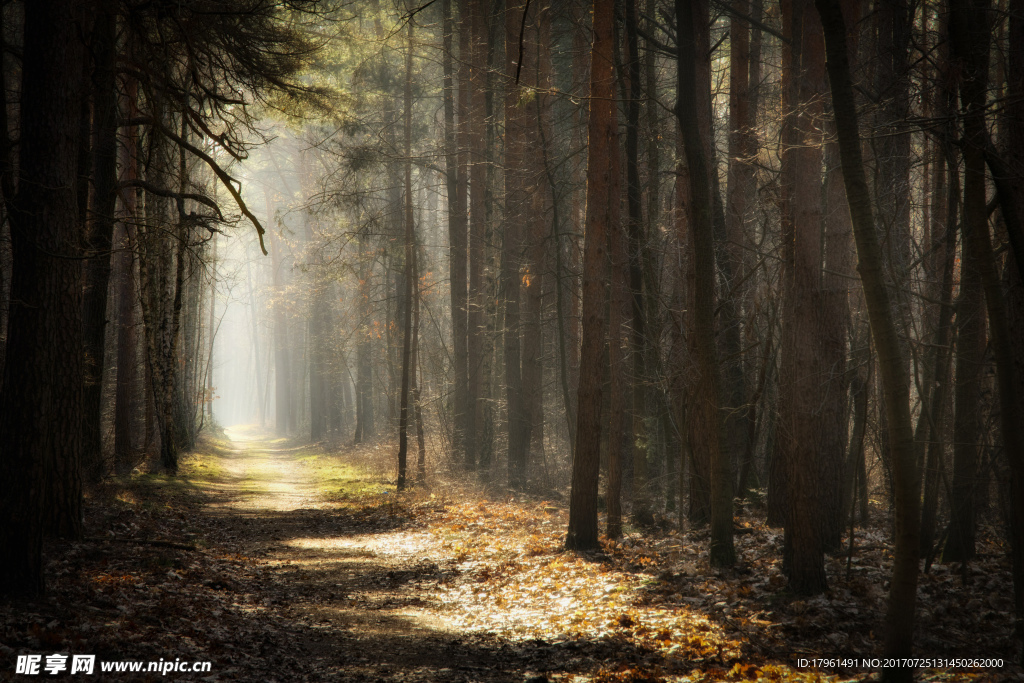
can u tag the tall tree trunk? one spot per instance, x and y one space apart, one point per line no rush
283 418
100 229
535 279
211 333
945 203
970 34
641 512
619 341
602 221
417 404
835 328
253 320
803 374
970 358
901 611
1013 128
126 402
410 247
461 215
456 248
742 185
705 401
365 429
516 213
477 296
41 405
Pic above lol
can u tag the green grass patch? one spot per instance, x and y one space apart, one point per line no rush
337 480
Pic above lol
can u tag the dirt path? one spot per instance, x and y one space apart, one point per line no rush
340 573
354 584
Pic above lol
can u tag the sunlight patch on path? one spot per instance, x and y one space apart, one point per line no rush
267 473
294 489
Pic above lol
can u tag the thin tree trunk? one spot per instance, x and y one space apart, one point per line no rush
943 233
126 402
516 214
260 393
282 358
100 229
211 332
457 226
410 247
477 297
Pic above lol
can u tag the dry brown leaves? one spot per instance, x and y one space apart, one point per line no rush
657 594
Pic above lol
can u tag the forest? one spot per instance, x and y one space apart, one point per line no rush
512 340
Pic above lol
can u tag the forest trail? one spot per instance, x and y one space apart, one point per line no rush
346 577
264 474
281 562
353 574
352 582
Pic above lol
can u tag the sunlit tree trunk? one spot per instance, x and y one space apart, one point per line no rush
282 357
410 247
211 334
569 276
365 429
477 300
417 404
602 220
457 226
254 326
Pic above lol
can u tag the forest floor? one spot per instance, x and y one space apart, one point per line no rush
277 562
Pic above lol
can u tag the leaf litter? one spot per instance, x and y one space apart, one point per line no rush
285 583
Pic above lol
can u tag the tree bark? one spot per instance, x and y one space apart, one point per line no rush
705 401
602 221
126 402
516 214
410 247
901 611
477 296
41 405
100 229
970 34
456 250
